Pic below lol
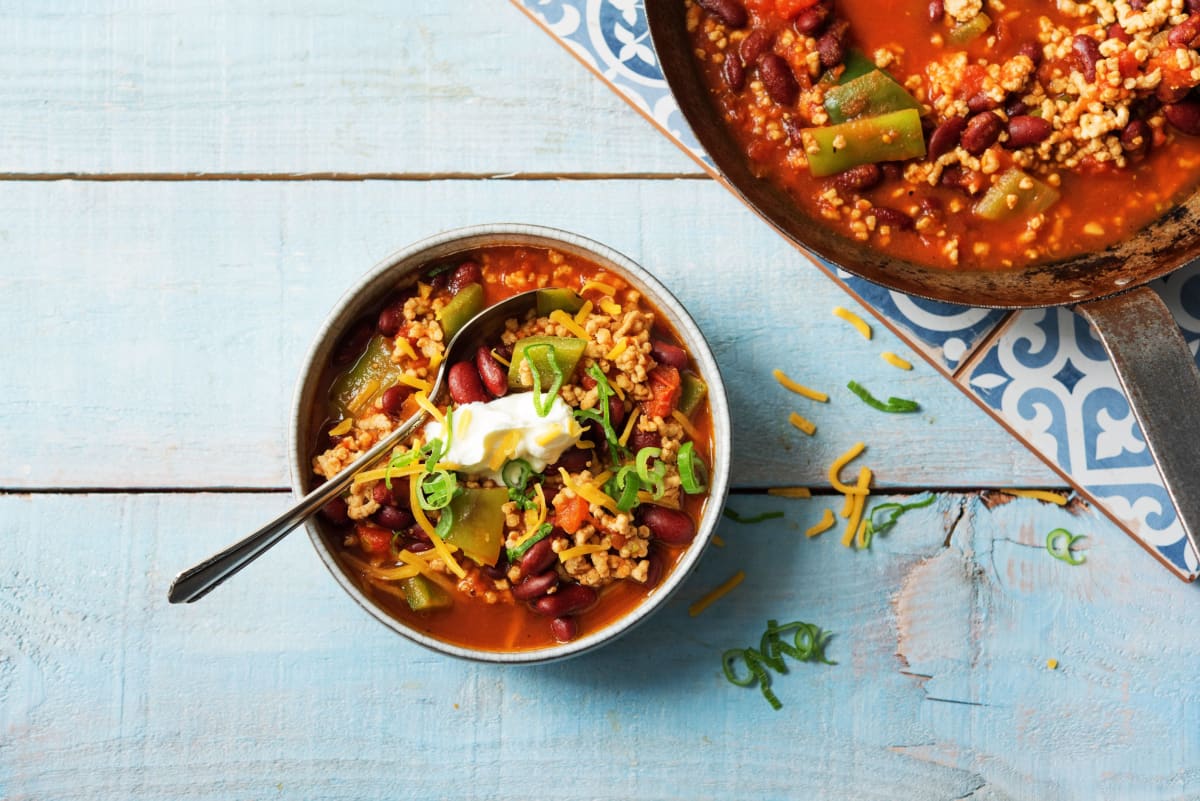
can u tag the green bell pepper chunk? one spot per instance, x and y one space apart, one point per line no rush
895 136
855 64
970 30
867 96
567 352
692 393
1015 194
375 364
478 527
461 308
555 298
422 594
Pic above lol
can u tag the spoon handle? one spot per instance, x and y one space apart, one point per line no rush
196 582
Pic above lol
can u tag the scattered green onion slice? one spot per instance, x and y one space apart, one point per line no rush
893 405
445 522
436 489
398 461
693 475
604 392
655 477
808 645
737 518
516 473
626 486
890 514
543 531
1059 542
542 401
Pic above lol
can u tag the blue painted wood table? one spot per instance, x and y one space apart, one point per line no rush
190 186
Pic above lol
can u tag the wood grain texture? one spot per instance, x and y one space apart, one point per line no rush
161 325
303 86
276 685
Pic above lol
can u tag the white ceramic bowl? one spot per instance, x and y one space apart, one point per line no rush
401 269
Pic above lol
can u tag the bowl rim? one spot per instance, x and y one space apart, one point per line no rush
387 274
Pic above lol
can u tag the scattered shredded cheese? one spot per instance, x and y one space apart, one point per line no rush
841 462
1041 495
551 433
610 308
424 289
827 522
599 286
438 545
807 426
860 502
363 395
435 360
859 324
895 361
584 310
588 492
1052 664
342 427
717 541
799 389
423 401
624 438
685 424
618 349
410 558
394 472
566 321
416 383
405 347
790 492
580 550
698 607
502 452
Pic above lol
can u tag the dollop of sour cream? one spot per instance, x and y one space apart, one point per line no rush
492 433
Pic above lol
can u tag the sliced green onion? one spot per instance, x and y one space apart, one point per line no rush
543 531
727 662
737 518
656 476
693 475
808 645
398 461
626 486
1059 542
543 401
516 473
892 405
891 513
445 522
604 391
436 489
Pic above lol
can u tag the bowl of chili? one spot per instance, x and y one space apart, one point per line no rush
568 484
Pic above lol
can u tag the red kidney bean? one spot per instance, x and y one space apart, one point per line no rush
654 571
946 136
466 273
1115 31
1185 33
1184 115
1136 136
895 218
644 439
859 178
831 47
393 518
504 352
337 512
574 460
1033 51
778 78
668 354
464 383
616 411
1167 93
493 375
754 45
384 496
1024 131
535 586
420 546
731 12
564 629
672 526
392 400
539 557
570 599
891 171
981 132
811 20
498 571
1192 6
982 101
735 73
937 10
390 320
353 343
1087 52
1016 107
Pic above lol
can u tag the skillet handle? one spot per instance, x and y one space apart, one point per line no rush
1161 381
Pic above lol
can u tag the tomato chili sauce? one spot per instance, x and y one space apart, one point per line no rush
637 475
963 134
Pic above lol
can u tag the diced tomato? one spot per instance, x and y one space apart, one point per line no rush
570 513
665 389
375 541
784 9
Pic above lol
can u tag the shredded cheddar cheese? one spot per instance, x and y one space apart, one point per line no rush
698 607
807 426
410 558
1052 664
364 395
685 424
416 383
618 349
1041 495
342 427
859 324
599 286
394 573
423 401
839 463
860 502
624 438
501 452
394 472
895 361
799 389
580 550
438 545
500 358
826 522
588 492
717 541
551 434
405 347
584 310
610 308
424 289
790 492
565 320
435 360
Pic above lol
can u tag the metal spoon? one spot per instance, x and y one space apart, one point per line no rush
196 582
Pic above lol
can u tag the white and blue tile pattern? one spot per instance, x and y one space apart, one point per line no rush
1045 376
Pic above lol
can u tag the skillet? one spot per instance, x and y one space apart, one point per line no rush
1152 361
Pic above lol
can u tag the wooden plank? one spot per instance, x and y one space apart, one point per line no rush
156 328
277 685
303 86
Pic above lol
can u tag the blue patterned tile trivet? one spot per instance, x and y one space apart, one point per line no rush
612 38
1052 382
